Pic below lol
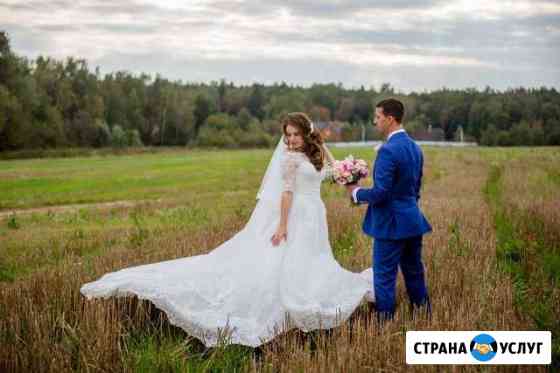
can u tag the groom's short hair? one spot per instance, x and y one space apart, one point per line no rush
392 107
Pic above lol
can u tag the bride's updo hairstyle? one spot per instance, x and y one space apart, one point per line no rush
311 137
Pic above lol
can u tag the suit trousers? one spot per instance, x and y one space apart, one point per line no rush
388 256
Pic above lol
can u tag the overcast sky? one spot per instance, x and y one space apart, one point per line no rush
412 44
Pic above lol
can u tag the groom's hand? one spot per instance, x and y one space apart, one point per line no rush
350 189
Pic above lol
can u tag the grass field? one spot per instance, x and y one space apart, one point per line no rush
492 262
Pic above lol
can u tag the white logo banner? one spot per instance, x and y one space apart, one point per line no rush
478 347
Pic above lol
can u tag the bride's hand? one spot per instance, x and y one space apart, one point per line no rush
280 234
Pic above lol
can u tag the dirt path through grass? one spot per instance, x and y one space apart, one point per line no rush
77 206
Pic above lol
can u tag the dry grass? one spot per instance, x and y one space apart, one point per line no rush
45 325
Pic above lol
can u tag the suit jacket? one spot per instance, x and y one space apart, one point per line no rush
393 211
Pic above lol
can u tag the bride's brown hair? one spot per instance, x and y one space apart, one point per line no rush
312 139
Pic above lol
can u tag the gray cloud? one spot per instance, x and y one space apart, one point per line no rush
317 8
34 5
469 33
56 28
309 71
122 28
273 42
525 40
28 41
131 7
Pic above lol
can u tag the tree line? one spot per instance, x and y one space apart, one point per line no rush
47 103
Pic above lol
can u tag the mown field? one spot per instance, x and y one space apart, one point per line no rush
492 262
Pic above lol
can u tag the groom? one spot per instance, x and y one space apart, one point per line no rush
393 217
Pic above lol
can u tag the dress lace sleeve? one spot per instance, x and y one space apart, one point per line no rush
289 166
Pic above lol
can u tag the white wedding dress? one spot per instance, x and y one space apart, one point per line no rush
246 291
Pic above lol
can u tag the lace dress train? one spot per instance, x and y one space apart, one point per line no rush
246 289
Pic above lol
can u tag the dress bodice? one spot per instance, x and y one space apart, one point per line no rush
300 176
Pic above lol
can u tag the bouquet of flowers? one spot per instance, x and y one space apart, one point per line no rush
349 170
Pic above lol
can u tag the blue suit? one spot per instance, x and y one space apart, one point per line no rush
394 219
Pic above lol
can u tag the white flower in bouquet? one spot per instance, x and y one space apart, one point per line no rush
349 170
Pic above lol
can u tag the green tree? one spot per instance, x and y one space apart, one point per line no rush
256 102
222 90
552 132
133 138
285 103
244 118
489 136
201 112
104 137
118 137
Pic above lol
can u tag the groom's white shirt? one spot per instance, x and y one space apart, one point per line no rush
355 191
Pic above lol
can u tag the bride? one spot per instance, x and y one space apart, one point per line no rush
276 273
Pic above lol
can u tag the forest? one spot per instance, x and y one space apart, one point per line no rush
47 103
